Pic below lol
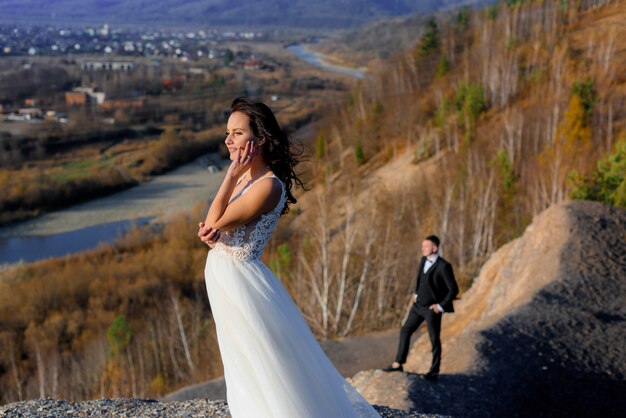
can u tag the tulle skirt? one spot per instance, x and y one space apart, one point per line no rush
273 365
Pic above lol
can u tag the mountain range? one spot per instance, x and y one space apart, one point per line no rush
335 14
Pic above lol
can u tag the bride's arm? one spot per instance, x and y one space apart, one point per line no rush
259 199
220 202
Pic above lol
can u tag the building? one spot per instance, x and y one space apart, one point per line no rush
29 113
81 96
107 65
122 104
252 65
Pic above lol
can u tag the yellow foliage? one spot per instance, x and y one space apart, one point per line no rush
59 311
157 385
574 136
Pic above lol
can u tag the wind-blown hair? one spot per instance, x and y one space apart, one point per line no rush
281 152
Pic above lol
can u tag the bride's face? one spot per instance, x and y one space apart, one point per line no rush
238 133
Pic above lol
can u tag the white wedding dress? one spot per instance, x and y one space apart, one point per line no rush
273 365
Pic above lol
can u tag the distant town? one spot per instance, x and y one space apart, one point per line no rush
97 56
106 41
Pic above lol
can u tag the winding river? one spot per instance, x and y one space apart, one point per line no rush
318 60
101 220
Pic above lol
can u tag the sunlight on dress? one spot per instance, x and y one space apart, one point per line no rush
273 365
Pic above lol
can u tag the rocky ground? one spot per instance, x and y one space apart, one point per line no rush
129 408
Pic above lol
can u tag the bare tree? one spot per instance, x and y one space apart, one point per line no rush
181 330
369 240
348 236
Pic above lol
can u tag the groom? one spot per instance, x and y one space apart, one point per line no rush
435 290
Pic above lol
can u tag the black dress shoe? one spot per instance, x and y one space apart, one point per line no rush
390 368
430 376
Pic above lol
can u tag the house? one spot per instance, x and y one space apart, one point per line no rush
81 96
75 99
252 65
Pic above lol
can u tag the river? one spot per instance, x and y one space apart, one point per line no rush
88 224
318 60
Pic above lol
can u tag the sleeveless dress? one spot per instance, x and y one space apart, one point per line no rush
273 365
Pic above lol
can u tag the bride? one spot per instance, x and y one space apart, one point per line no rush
273 365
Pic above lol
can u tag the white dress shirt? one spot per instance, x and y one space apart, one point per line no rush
430 261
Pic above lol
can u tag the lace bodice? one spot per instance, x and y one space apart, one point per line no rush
248 241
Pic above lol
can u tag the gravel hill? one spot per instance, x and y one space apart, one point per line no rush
542 332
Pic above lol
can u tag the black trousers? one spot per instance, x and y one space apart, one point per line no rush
417 315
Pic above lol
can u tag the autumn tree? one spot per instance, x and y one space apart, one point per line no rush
569 153
119 334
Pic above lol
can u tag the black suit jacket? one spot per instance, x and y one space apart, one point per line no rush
441 282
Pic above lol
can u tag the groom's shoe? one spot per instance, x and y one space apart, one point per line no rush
390 368
430 376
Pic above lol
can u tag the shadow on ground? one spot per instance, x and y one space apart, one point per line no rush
559 361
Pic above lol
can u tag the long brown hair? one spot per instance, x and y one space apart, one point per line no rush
281 152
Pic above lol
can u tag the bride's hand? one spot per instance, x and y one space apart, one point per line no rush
208 235
243 161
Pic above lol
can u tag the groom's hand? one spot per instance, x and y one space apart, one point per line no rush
434 308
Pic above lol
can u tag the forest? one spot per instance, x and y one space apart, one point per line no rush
494 115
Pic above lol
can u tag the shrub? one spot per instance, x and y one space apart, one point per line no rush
607 183
430 38
359 154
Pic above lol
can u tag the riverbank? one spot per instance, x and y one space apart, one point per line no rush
176 191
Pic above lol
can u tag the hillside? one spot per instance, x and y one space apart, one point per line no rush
468 135
240 14
540 333
377 41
